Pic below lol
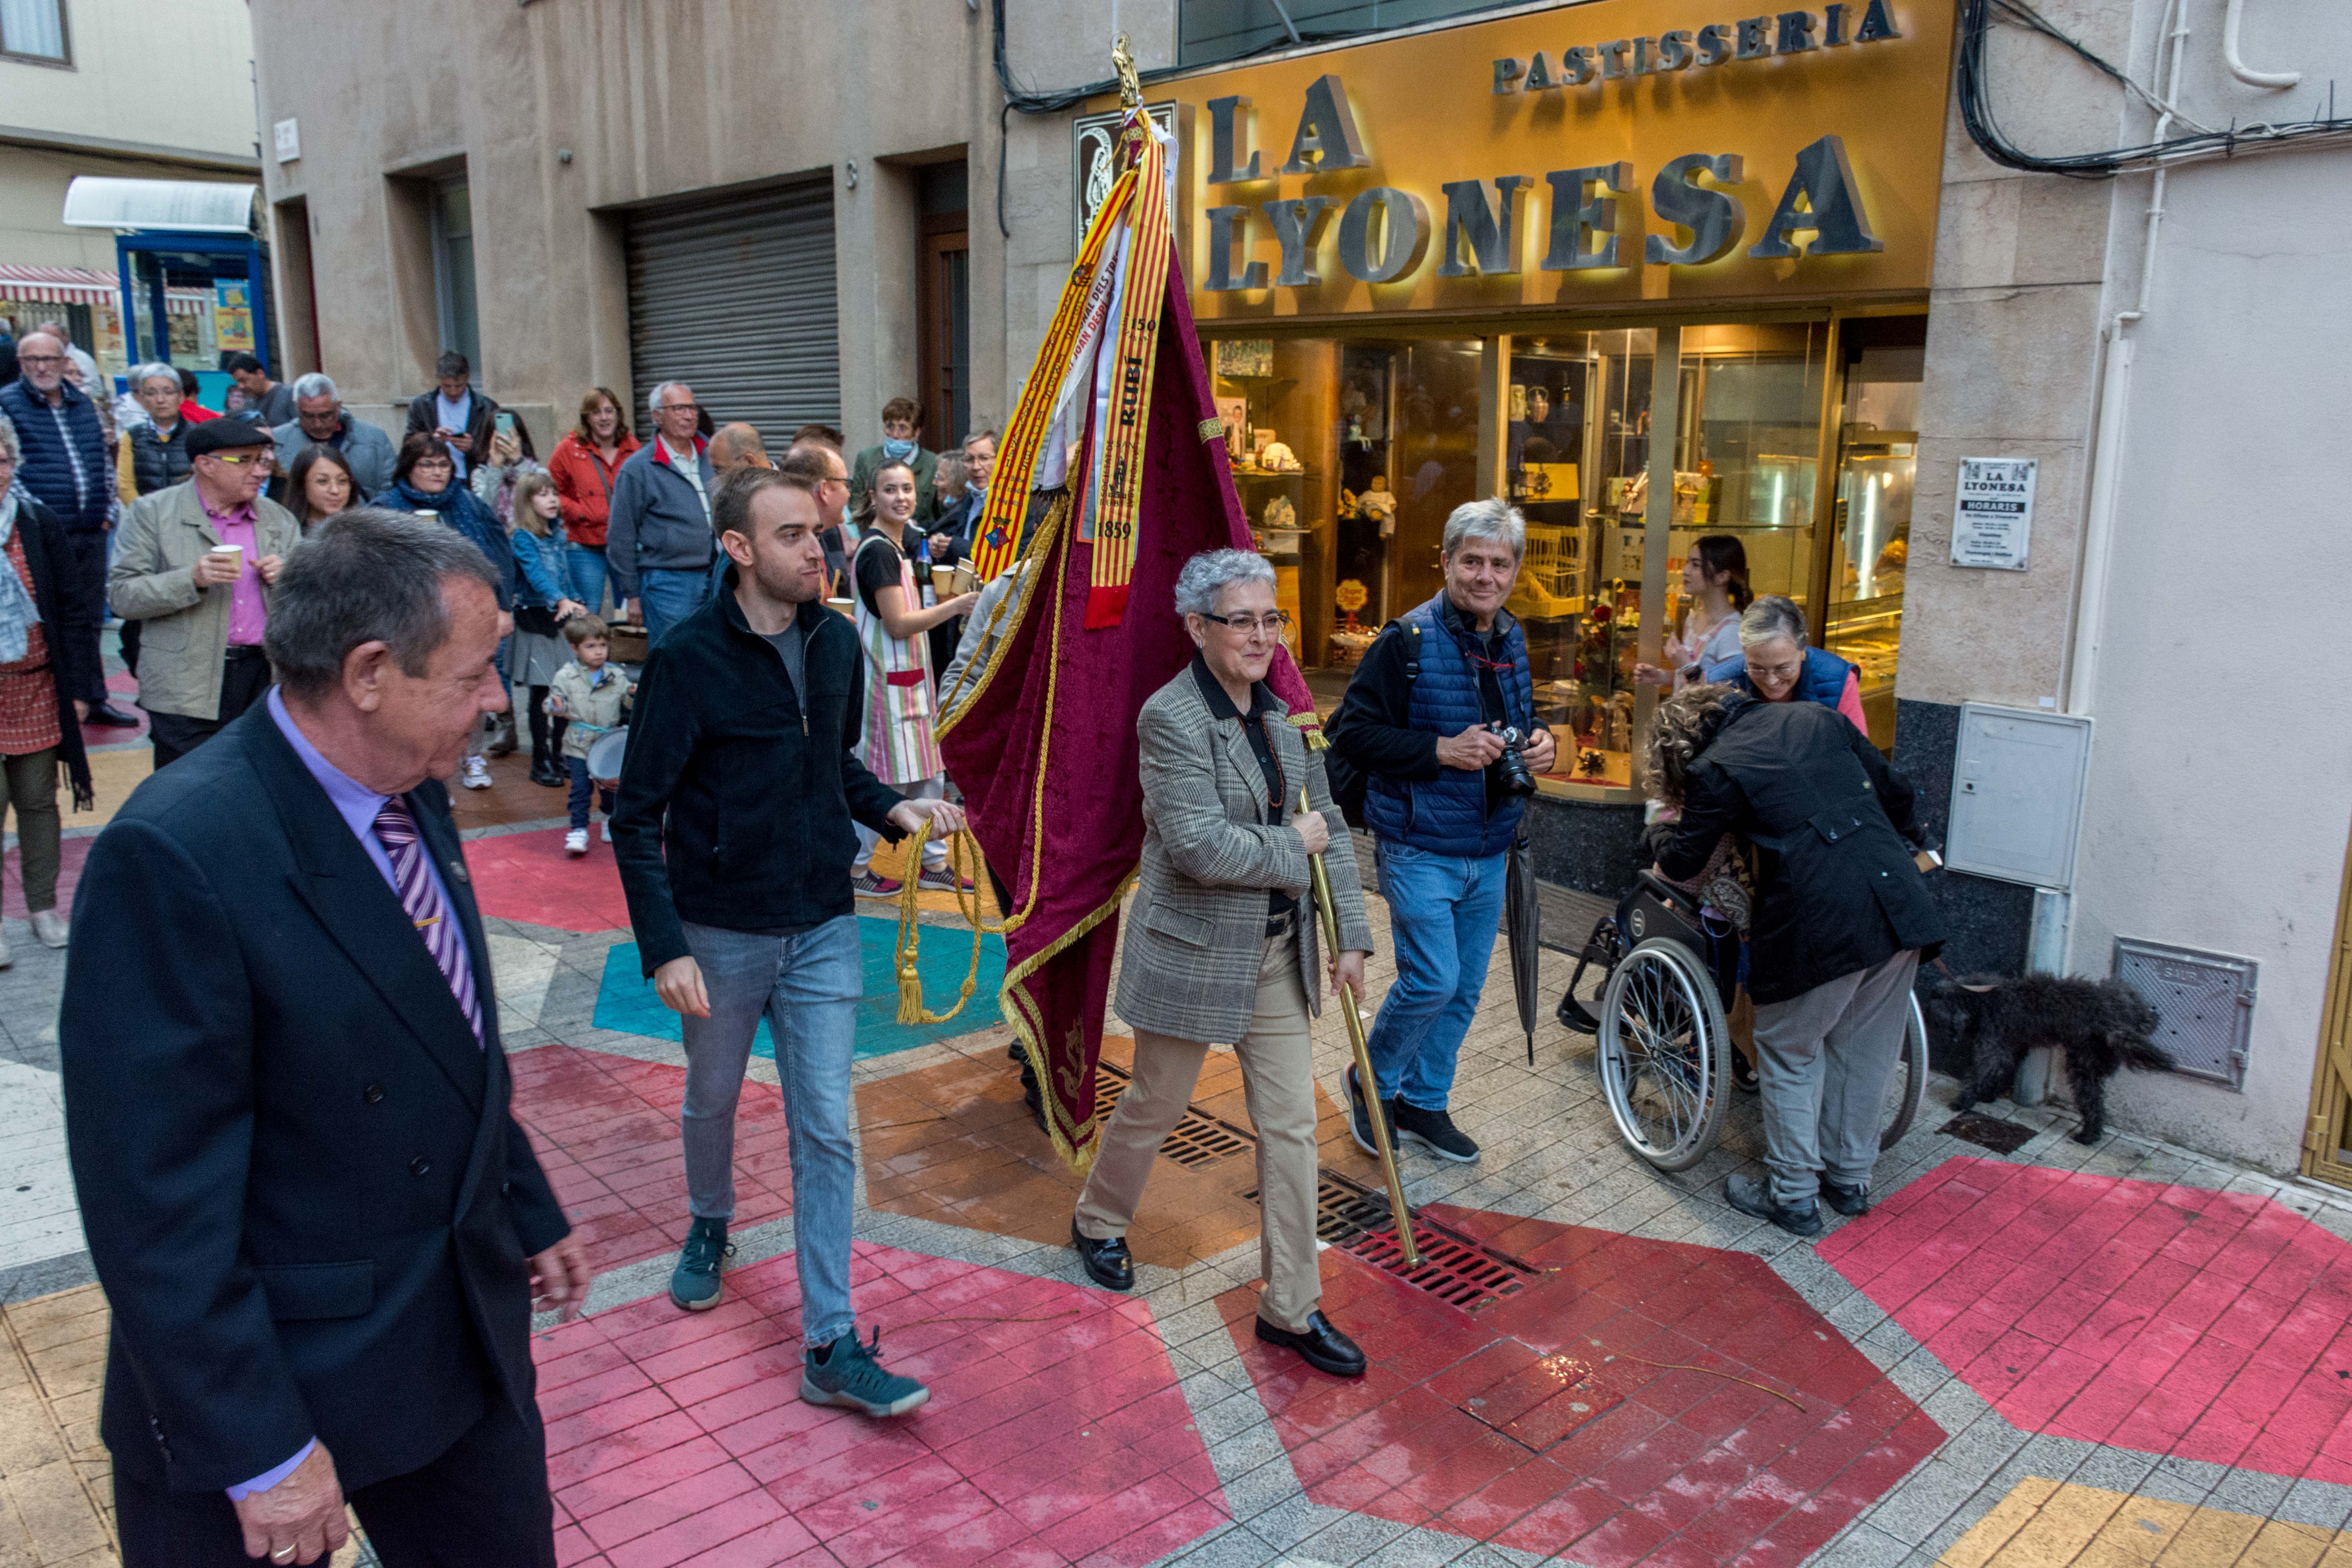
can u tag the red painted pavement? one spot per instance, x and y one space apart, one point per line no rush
71 853
677 1437
527 876
2172 1319
1531 1425
605 1128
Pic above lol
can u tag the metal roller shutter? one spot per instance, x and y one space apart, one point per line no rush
734 296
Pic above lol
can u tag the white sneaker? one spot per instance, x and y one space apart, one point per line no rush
7 958
606 830
576 841
477 774
49 927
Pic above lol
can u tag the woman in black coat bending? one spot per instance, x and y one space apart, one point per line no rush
1842 919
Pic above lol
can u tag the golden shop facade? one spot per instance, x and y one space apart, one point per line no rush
1500 258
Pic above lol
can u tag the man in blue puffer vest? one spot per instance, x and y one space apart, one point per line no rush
1415 724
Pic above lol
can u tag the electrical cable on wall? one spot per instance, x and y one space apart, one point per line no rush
2202 142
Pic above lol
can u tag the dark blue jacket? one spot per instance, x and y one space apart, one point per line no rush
1823 680
456 507
46 470
1442 810
304 1191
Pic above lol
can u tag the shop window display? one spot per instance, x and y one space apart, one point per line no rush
1747 449
1347 457
1878 441
1348 454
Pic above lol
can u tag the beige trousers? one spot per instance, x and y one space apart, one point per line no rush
1278 1062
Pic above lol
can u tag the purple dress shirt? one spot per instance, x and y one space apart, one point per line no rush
248 612
357 806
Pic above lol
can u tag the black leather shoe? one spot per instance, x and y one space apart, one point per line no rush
1747 1194
1325 1348
545 771
1107 1262
1852 1201
111 717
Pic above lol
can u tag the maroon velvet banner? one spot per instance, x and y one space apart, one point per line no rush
1060 709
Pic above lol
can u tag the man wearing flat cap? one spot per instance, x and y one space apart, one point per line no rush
195 563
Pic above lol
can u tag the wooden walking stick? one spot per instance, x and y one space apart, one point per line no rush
1348 1004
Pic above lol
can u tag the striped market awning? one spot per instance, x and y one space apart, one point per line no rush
60 285
86 286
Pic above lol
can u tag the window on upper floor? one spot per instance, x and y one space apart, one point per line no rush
34 30
1209 31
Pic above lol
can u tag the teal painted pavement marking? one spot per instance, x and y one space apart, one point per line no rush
626 1003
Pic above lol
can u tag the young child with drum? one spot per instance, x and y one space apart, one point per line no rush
588 693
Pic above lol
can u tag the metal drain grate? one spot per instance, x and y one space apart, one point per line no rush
1199 1139
1455 1269
1988 1133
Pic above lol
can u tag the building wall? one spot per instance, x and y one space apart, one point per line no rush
2219 801
653 102
178 78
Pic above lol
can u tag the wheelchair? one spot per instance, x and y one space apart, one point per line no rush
1670 971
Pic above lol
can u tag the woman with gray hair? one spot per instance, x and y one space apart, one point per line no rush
1778 667
1221 944
46 621
156 456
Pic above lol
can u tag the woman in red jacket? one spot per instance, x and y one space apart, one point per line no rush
582 466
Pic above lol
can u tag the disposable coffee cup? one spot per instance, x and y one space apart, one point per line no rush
962 581
941 576
232 553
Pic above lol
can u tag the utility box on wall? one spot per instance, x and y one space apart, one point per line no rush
2018 777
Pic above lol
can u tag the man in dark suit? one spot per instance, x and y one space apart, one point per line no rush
318 1224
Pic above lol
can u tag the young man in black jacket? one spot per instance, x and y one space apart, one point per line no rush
734 837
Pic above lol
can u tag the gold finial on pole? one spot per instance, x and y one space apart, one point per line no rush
1130 86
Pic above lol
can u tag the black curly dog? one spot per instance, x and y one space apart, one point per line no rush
2100 1026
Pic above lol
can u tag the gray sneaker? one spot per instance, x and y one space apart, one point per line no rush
846 1373
694 1283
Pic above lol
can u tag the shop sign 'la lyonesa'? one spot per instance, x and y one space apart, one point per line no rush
1623 152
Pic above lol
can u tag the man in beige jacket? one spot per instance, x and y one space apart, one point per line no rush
195 563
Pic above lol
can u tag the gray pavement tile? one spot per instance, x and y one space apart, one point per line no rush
1361 1538
2315 1503
1922 1500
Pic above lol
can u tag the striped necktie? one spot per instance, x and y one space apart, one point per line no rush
420 895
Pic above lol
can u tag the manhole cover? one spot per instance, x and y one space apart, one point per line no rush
1990 1132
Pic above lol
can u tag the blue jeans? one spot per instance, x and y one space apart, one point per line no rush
585 565
1444 913
582 789
668 597
808 987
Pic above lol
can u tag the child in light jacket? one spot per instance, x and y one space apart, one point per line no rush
588 692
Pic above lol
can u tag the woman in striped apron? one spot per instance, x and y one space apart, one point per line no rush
894 612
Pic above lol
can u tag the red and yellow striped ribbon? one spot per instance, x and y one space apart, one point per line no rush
997 541
1119 451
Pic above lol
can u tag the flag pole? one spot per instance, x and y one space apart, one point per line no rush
1371 1089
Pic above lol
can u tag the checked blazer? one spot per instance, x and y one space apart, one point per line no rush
1197 933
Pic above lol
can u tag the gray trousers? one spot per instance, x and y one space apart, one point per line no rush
1824 1058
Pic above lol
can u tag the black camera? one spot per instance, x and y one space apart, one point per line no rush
1511 767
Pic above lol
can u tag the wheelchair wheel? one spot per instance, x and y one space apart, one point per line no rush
1664 1054
1907 1088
